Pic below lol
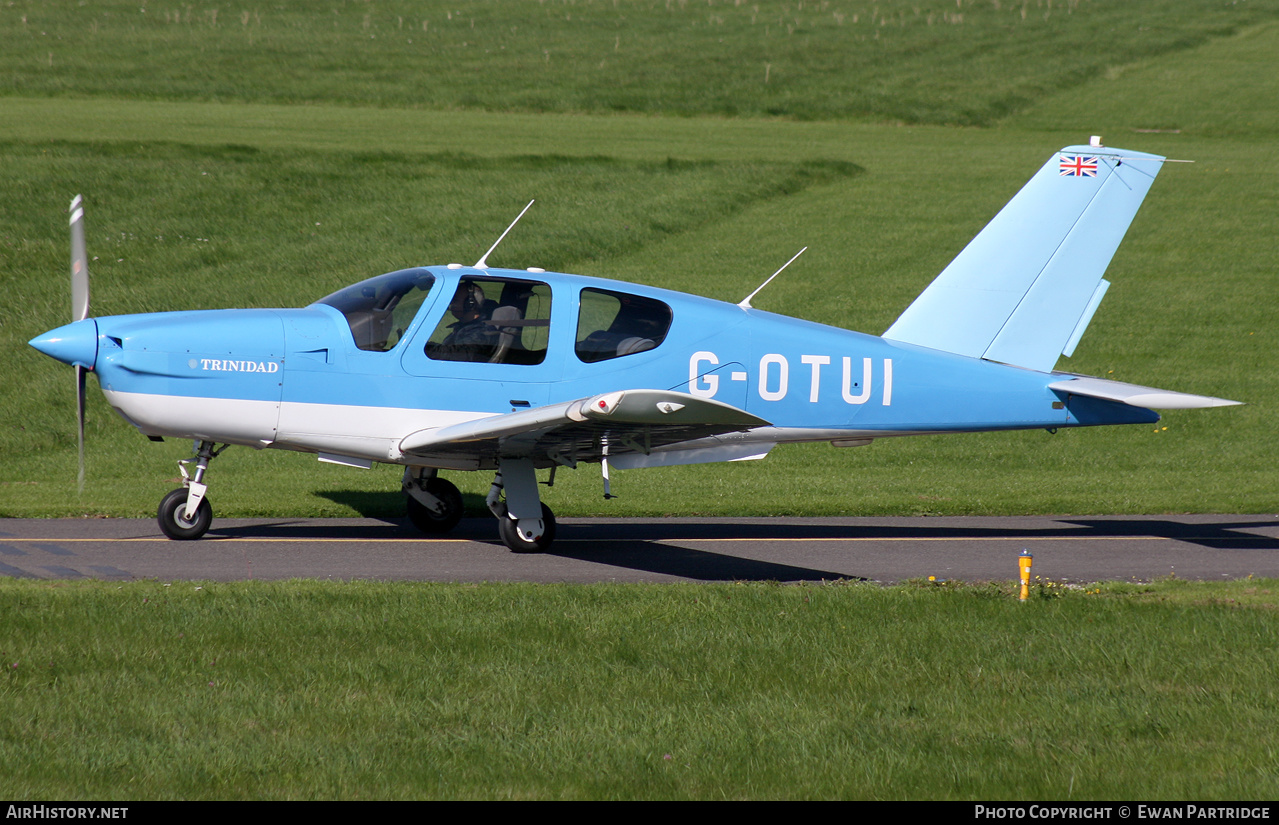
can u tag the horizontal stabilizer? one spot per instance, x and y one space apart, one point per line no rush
1025 288
1135 395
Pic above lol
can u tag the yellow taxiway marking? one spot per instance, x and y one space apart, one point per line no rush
220 539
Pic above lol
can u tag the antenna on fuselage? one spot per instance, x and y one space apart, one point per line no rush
746 302
483 262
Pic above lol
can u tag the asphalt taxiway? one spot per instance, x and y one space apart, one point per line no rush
1065 548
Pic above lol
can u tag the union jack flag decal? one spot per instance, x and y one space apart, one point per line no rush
1076 166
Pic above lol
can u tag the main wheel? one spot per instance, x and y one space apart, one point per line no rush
511 537
429 521
174 522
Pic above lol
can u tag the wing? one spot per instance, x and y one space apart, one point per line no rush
627 422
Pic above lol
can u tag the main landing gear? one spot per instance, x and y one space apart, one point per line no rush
528 535
435 505
185 513
525 524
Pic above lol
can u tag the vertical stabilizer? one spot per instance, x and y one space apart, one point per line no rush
1023 291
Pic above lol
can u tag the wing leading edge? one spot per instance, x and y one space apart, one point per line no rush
626 422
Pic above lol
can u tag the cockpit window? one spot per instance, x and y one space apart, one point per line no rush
613 324
380 309
494 320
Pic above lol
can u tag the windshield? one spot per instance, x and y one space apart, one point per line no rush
380 309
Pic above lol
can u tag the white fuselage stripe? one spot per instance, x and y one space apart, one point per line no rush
344 429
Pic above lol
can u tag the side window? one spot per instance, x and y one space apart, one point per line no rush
613 324
380 309
494 320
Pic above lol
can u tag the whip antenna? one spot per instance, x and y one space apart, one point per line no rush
483 262
746 302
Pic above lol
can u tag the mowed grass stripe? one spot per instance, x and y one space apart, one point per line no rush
923 61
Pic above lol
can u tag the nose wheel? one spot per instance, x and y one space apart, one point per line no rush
173 518
185 514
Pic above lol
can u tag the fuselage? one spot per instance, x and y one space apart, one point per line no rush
353 374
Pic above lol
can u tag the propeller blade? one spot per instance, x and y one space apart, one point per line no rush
79 405
79 311
79 264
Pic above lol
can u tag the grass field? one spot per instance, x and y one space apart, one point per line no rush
930 61
240 155
307 690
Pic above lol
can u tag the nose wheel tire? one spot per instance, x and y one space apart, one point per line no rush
506 528
174 522
429 521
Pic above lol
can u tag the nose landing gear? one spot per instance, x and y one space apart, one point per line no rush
173 518
185 514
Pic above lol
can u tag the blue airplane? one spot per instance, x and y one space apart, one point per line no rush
515 371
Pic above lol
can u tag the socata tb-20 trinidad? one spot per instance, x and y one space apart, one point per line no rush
512 371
